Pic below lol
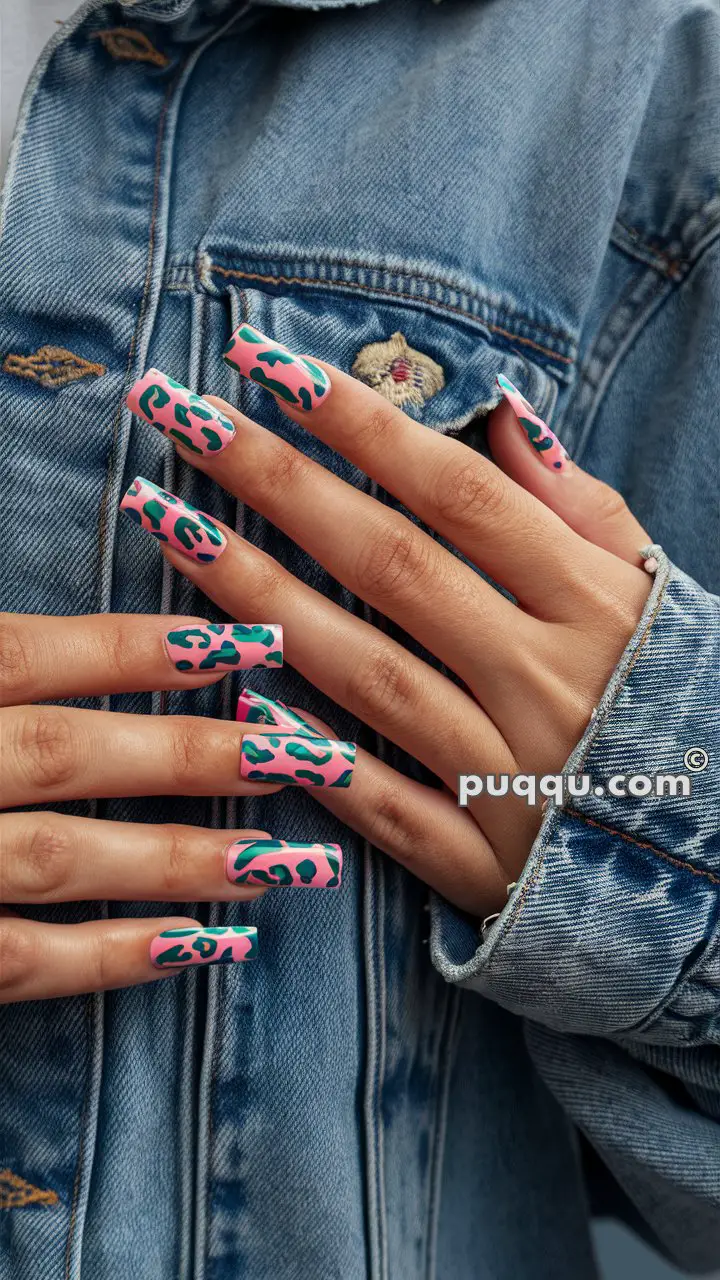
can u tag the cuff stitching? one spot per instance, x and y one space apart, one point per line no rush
601 720
640 844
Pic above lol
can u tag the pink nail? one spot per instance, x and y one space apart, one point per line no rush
544 441
298 381
295 760
173 521
180 414
179 948
283 862
225 646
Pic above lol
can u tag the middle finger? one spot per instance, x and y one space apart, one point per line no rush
377 553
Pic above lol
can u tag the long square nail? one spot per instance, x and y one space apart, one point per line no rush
295 379
179 948
257 708
284 863
173 521
225 646
296 760
551 453
179 413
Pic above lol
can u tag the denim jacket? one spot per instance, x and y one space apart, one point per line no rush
515 186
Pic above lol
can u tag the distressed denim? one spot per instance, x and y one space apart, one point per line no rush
514 186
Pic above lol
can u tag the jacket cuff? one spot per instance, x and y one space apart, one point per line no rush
612 929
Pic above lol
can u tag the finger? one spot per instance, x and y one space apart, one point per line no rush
373 550
53 857
420 827
61 753
362 669
593 509
463 496
44 657
40 961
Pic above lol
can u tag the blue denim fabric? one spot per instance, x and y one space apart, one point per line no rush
515 187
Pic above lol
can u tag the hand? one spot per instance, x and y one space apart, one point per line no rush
54 753
561 543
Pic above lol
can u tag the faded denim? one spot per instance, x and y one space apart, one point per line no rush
530 188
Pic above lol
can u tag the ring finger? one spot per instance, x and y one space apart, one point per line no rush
53 857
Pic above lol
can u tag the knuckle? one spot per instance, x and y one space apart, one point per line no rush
376 427
395 561
102 961
394 827
45 859
48 748
185 751
121 647
383 687
465 492
178 858
16 663
610 505
18 956
262 582
281 471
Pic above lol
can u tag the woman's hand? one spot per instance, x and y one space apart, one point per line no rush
560 543
52 753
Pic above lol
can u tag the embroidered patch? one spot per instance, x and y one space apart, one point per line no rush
52 367
15 1192
400 373
128 45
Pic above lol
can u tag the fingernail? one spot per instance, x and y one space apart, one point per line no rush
180 414
282 862
256 708
173 521
295 379
179 948
296 760
549 449
225 646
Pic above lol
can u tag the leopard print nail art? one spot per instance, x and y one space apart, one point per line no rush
225 646
544 441
173 521
257 708
284 863
296 760
180 414
295 379
180 948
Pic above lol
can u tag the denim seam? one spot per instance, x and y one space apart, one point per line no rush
104 524
663 261
427 303
418 276
372 1091
91 1003
676 257
376 1015
641 844
188 1109
448 1034
629 316
213 1035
